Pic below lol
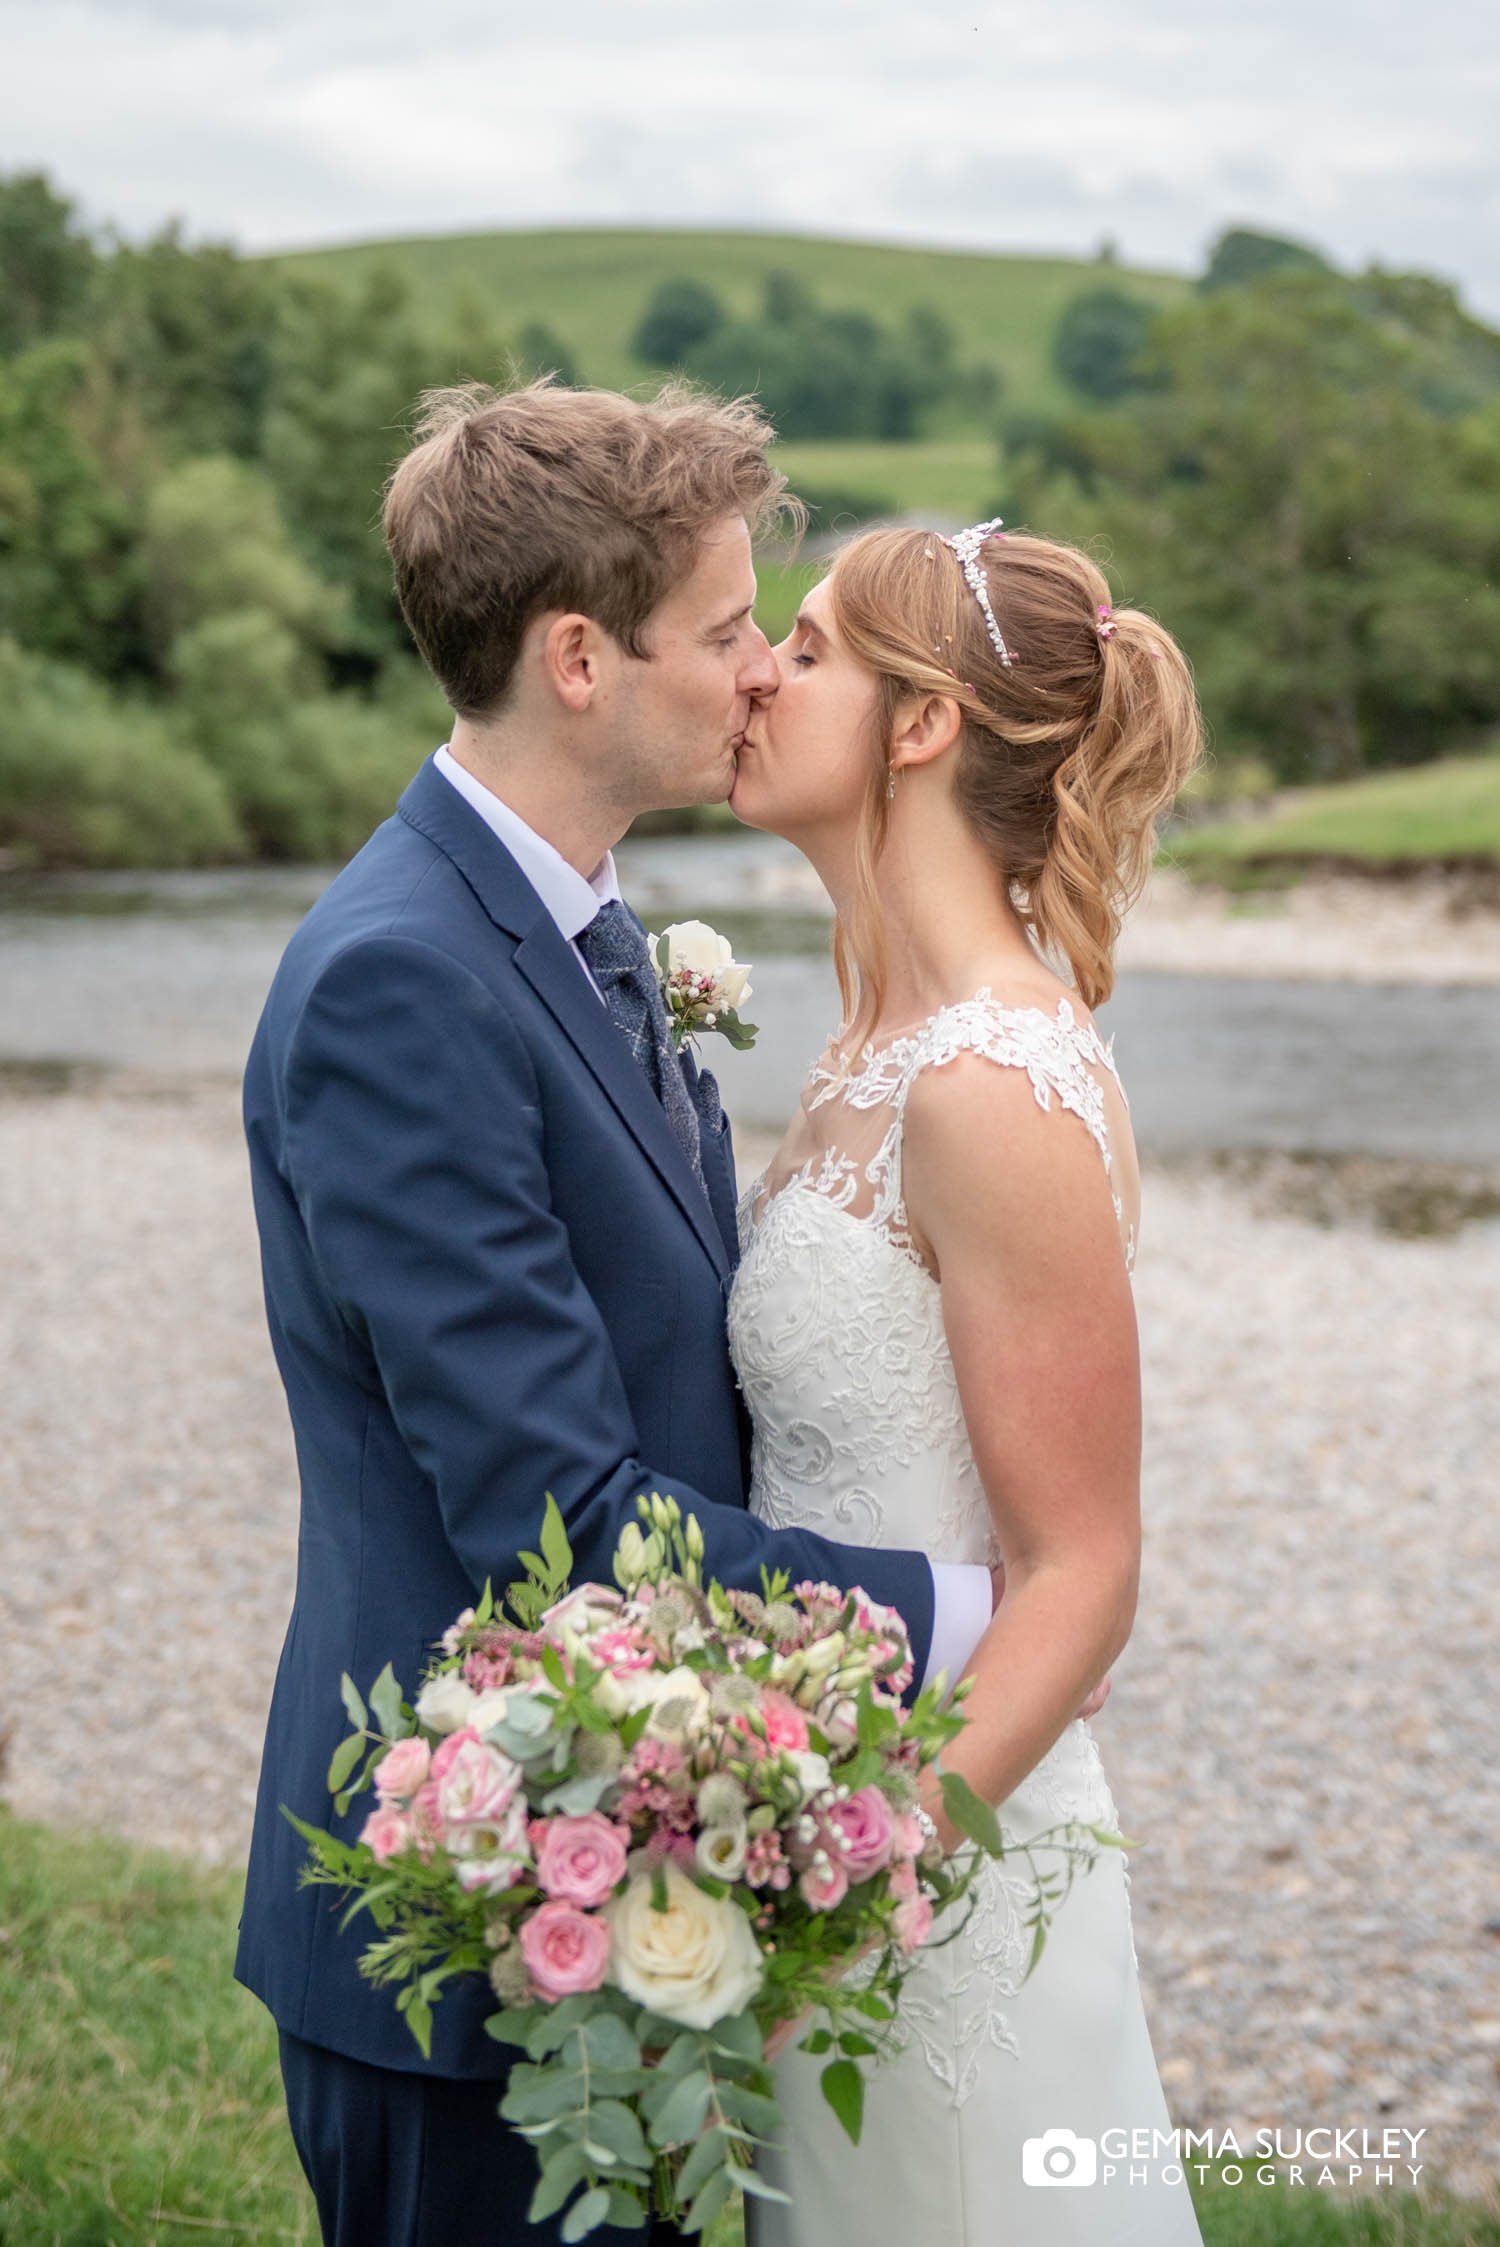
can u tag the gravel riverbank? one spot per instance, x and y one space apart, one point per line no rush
1302 1729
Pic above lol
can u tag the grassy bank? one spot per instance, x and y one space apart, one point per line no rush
142 2103
591 285
1445 813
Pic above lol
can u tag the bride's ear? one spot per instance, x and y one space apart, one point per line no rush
925 727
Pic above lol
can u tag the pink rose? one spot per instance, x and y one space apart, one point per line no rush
476 1786
565 1949
863 1831
912 1921
403 1769
447 1749
581 1860
823 1887
903 1879
492 1858
786 1726
387 1832
910 1839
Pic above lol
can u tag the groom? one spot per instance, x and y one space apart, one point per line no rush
496 1212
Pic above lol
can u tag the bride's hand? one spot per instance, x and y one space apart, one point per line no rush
1095 1700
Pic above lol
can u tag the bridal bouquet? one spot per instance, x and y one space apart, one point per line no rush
662 1819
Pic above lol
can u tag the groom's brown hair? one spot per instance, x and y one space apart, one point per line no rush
515 502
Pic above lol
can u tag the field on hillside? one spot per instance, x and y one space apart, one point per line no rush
591 287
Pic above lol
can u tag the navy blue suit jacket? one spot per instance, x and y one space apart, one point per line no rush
489 1273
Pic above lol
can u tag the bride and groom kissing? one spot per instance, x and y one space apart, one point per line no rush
503 1252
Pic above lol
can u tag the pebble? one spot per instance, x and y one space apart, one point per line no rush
1302 1728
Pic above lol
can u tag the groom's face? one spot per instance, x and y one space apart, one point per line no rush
683 710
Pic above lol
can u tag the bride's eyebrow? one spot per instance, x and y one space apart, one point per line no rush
812 631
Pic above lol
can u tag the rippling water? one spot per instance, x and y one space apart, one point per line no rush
167 973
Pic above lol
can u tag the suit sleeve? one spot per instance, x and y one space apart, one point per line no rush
414 1148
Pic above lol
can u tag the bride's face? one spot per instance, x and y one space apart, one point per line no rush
804 764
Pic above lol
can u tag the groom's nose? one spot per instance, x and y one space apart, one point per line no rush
758 674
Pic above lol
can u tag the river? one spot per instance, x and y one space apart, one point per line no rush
165 973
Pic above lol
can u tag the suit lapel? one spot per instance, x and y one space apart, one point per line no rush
550 966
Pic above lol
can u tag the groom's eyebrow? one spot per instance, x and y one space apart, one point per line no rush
725 622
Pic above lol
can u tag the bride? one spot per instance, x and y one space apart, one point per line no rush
932 1322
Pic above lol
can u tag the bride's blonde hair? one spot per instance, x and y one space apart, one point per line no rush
1066 756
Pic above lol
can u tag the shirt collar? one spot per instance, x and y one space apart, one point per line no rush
572 899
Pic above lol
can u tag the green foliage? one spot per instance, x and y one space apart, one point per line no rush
90 779
213 541
540 350
186 334
1448 811
681 313
47 261
1324 544
1241 255
825 373
1100 343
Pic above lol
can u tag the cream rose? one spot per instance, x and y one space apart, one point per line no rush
694 1963
446 1703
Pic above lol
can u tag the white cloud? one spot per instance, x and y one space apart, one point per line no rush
994 124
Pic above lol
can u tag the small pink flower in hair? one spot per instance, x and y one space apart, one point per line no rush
1106 621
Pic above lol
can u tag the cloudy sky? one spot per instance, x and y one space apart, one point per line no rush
1369 127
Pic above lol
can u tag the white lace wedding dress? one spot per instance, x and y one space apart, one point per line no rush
836 1330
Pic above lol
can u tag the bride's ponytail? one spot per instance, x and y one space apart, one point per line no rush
1070 750
1127 764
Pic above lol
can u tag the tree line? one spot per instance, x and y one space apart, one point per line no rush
200 657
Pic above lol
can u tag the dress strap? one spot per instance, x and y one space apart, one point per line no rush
1057 1051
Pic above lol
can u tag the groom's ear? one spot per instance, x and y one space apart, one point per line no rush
925 726
568 654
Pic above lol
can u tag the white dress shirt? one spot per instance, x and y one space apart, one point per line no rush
962 1594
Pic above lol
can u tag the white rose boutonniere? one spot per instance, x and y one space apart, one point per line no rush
702 982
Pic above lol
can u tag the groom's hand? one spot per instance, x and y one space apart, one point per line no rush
1096 1700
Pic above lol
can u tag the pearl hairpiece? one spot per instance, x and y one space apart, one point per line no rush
966 545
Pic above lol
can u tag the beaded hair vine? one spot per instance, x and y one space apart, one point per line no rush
966 545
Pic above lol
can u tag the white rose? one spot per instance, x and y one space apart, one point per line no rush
734 987
694 945
694 1963
489 1708
446 1703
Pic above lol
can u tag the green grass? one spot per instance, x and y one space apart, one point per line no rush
142 2099
1445 811
590 285
141 2102
943 476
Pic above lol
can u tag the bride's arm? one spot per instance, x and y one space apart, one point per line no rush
1014 1205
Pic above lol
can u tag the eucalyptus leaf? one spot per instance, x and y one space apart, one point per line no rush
757 2187
710 2153
585 2215
562 2171
614 2126
610 2043
714 2196
359 1715
682 2116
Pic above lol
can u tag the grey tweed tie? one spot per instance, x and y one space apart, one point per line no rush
619 959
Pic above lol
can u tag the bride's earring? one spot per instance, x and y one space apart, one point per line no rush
890 785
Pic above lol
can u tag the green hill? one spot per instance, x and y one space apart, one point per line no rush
591 285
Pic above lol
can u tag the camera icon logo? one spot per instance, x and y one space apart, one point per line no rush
1059 2157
